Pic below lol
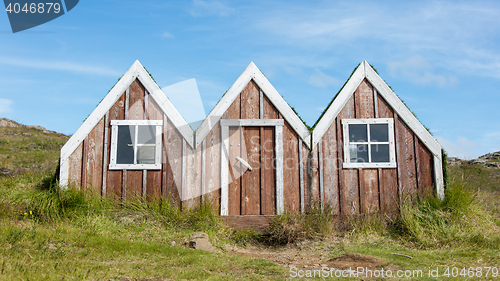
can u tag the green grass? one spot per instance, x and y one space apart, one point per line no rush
49 234
28 149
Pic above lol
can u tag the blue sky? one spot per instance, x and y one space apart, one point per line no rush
441 57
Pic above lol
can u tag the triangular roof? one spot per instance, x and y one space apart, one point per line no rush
363 71
135 71
253 73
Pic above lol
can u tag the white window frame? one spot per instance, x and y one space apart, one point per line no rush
368 122
114 144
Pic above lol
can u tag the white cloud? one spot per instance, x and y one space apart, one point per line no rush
201 8
5 105
321 80
418 70
59 66
167 35
462 148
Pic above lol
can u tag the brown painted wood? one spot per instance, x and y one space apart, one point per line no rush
268 184
424 170
154 177
406 160
84 163
330 168
291 177
173 164
364 100
370 195
340 161
212 166
258 224
135 112
312 196
350 182
235 172
75 167
234 186
268 172
94 158
388 178
193 177
250 104
250 180
368 178
114 177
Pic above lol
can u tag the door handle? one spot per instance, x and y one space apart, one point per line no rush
245 163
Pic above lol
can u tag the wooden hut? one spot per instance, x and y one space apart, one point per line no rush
253 156
100 159
370 152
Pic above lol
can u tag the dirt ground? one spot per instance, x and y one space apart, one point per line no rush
311 255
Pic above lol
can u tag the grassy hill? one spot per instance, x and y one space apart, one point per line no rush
50 234
28 148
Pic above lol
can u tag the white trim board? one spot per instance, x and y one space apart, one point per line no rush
135 71
252 73
366 71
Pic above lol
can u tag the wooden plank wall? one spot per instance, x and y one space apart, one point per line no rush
88 166
367 191
342 191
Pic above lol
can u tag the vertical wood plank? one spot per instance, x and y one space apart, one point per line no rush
153 178
250 197
94 158
291 176
406 160
105 163
320 174
134 178
114 177
280 207
212 166
388 178
203 159
224 208
424 170
268 152
75 167
350 182
193 177
301 177
183 190
173 167
340 161
368 178
330 168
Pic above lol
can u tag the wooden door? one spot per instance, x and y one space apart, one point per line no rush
252 182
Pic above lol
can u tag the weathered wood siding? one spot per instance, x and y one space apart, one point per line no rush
89 167
368 191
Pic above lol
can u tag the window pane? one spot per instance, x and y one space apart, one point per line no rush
145 155
379 132
147 134
358 153
380 153
124 147
357 133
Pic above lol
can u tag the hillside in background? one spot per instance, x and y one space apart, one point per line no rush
28 148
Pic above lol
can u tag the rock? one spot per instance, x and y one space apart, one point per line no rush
172 243
200 241
454 161
490 160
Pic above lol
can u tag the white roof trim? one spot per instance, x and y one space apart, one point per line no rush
340 101
252 72
366 71
135 71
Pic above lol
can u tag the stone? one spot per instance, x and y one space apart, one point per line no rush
200 241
